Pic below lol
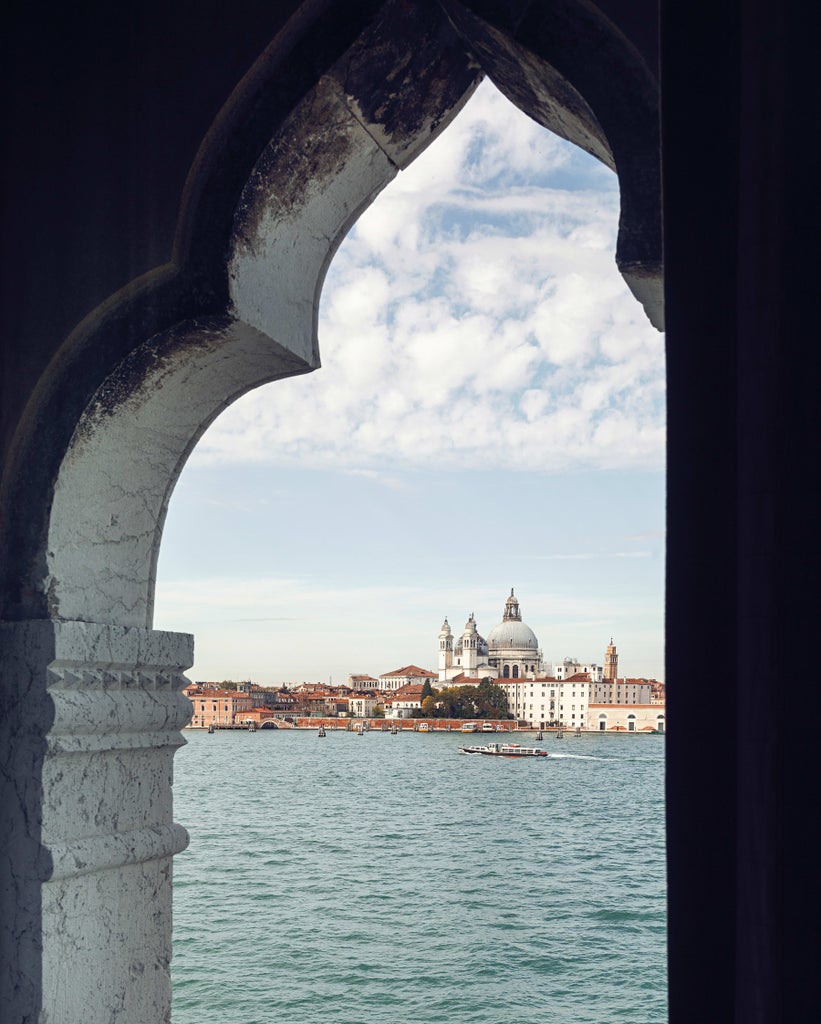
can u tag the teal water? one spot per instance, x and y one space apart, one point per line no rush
386 878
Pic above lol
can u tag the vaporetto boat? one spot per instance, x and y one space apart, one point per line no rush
505 750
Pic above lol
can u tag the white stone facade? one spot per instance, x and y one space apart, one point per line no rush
627 717
545 702
403 707
362 707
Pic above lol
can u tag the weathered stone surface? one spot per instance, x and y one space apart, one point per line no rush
129 447
304 194
86 869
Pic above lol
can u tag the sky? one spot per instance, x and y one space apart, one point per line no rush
489 414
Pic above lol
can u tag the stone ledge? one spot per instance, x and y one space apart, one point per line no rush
100 853
88 743
97 645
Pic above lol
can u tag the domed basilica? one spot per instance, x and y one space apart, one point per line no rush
511 650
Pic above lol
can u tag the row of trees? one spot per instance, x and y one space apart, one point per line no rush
485 701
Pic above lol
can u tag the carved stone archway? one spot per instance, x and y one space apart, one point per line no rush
315 130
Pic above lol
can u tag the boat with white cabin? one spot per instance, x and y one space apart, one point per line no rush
505 750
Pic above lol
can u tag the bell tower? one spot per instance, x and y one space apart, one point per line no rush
445 650
470 645
611 662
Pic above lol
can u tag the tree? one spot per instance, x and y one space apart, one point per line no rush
492 700
427 689
428 705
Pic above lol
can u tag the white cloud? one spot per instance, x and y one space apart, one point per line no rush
473 316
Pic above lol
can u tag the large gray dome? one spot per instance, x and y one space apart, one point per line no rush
512 634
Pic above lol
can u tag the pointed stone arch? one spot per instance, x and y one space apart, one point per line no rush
238 307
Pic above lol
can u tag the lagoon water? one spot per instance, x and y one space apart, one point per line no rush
391 880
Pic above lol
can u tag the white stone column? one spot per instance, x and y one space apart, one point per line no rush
85 923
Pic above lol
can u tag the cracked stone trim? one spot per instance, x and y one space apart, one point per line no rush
101 853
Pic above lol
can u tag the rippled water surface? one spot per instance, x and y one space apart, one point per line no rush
381 878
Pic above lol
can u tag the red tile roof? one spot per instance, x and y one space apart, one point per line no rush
409 670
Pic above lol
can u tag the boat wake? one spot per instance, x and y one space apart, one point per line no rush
579 757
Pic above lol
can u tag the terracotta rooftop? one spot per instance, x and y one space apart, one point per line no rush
409 670
409 690
219 695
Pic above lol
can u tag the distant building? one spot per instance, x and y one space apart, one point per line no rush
511 650
404 702
362 706
363 682
336 705
623 691
217 707
541 702
548 701
406 676
570 667
627 717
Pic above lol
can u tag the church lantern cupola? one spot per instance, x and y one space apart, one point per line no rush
512 613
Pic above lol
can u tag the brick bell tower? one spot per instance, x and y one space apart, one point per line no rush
611 662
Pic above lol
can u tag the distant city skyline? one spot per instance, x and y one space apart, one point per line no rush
490 413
